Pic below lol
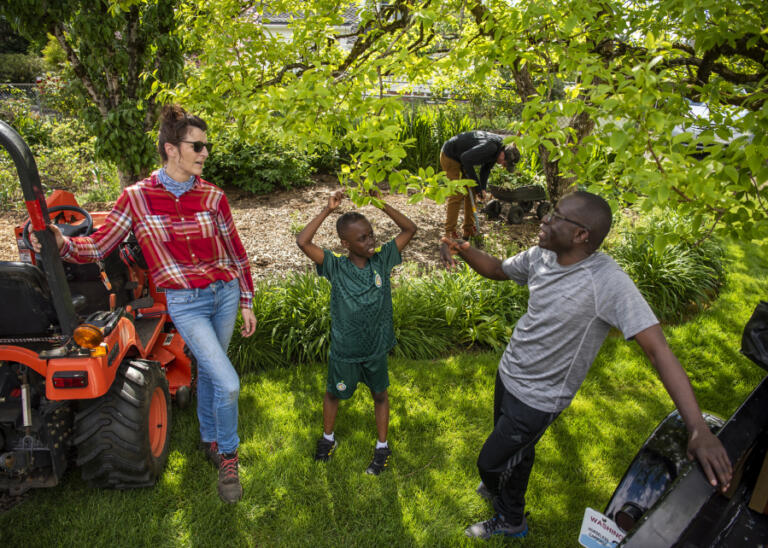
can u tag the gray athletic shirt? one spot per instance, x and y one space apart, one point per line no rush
570 311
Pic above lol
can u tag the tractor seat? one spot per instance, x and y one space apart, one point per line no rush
27 307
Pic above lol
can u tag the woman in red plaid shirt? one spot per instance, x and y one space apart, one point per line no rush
184 227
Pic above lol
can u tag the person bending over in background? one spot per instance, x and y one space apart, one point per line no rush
362 333
458 158
576 295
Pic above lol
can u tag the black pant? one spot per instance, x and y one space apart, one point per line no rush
506 459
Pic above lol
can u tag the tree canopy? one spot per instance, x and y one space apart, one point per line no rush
649 103
624 125
118 52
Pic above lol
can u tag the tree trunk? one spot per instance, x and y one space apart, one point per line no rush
127 178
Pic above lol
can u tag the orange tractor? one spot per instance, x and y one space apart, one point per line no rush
89 358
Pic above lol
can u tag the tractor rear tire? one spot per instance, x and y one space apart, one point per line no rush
122 438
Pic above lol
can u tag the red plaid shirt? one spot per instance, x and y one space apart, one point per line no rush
188 242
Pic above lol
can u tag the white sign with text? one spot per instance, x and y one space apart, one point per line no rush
597 531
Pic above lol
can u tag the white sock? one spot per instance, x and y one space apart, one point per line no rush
380 444
329 437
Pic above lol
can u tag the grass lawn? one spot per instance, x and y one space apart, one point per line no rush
441 414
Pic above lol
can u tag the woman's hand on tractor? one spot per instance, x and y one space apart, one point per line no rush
36 247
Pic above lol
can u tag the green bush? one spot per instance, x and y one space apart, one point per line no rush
442 310
20 68
63 93
259 168
64 155
11 197
433 313
677 280
16 110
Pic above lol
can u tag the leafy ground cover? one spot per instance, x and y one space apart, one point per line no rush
440 417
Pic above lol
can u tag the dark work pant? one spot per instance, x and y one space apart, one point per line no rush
506 459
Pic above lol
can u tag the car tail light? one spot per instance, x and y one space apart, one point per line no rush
70 379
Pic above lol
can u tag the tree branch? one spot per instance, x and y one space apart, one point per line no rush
101 102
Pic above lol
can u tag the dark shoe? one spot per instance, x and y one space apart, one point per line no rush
497 526
211 451
230 489
380 461
484 492
325 449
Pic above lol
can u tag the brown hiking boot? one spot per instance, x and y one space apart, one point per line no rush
230 489
211 451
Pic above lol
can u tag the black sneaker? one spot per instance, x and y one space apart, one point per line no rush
211 451
230 489
484 492
380 461
497 526
325 449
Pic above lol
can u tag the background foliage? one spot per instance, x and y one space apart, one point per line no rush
601 90
267 165
117 52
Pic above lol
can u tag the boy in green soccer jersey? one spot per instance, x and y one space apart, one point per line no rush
361 317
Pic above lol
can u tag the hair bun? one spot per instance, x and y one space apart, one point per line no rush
172 113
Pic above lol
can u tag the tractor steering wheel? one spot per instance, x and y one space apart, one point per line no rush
82 228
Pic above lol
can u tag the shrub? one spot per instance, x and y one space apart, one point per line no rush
259 168
16 110
677 280
20 68
62 93
11 197
63 152
441 310
293 324
105 185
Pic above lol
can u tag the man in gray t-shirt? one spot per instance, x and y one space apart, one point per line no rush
576 295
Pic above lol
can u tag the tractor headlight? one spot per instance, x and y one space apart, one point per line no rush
88 336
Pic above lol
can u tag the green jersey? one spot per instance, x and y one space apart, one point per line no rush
361 304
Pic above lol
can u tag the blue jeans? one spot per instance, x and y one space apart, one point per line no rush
205 319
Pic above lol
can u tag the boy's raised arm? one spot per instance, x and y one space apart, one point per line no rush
304 239
407 227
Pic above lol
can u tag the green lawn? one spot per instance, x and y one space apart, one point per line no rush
441 413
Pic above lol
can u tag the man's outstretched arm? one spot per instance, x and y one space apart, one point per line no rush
482 263
702 443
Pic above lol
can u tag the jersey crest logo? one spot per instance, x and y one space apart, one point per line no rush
341 387
378 280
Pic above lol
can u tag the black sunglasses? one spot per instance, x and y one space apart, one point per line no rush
554 215
198 146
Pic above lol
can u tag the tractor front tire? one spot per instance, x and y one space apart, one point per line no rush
122 438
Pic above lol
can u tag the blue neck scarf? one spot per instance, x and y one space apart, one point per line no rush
172 185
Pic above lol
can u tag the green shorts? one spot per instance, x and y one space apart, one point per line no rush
344 376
